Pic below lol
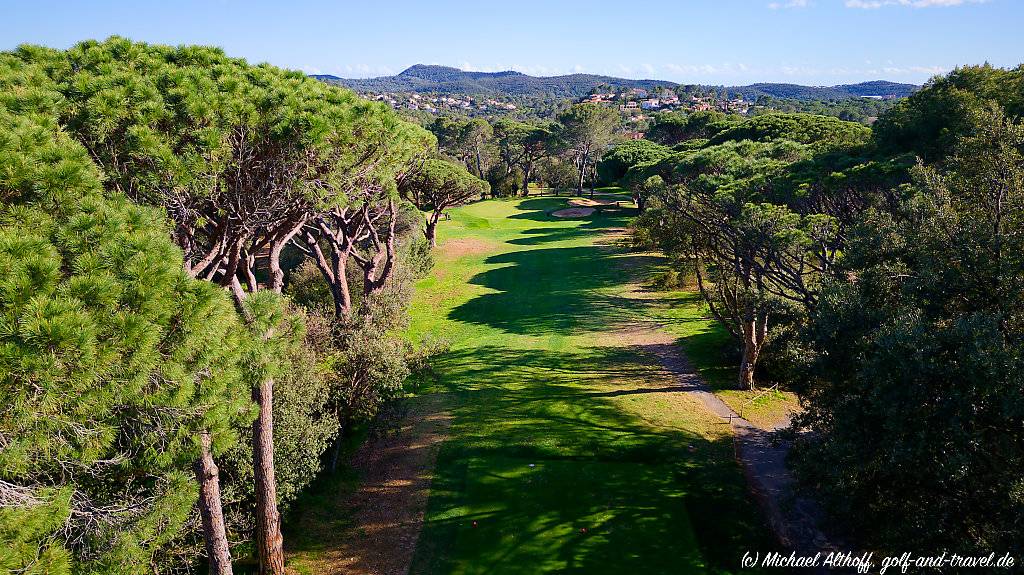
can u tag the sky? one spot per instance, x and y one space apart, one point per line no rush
730 42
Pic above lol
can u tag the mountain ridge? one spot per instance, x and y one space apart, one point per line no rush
447 79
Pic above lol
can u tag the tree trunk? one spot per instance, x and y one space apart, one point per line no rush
210 511
339 287
249 270
754 332
641 202
526 180
274 263
336 452
431 233
430 229
269 542
331 271
579 182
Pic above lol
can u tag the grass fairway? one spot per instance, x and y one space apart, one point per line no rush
570 450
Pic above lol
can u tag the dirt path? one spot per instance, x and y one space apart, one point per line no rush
794 518
395 471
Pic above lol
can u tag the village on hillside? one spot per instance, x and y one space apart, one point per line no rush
634 103
640 99
441 102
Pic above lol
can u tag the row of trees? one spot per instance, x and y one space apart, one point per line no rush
878 274
863 110
510 154
158 203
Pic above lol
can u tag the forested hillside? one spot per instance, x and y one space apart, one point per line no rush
443 79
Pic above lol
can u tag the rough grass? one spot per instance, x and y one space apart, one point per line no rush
569 450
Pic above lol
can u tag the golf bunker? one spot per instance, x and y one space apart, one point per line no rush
573 212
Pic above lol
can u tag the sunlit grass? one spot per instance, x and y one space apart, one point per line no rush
570 452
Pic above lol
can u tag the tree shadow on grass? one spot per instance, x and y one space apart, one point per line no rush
537 236
559 290
553 290
546 471
549 465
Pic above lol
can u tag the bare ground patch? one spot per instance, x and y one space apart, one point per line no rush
395 471
458 247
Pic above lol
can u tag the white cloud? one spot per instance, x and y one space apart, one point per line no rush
532 70
789 4
872 4
351 70
724 69
798 73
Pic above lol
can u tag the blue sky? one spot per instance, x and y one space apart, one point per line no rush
817 42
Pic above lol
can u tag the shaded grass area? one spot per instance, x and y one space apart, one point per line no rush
318 507
569 451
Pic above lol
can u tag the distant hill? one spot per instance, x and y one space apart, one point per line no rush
326 77
842 92
445 79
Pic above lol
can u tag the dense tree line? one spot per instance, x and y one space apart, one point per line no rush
165 397
120 373
861 110
510 155
680 129
878 274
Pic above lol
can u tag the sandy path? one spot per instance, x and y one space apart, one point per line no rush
794 518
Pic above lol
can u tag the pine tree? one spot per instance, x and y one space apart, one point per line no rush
114 364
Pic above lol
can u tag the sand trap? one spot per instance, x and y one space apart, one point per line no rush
589 203
573 213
